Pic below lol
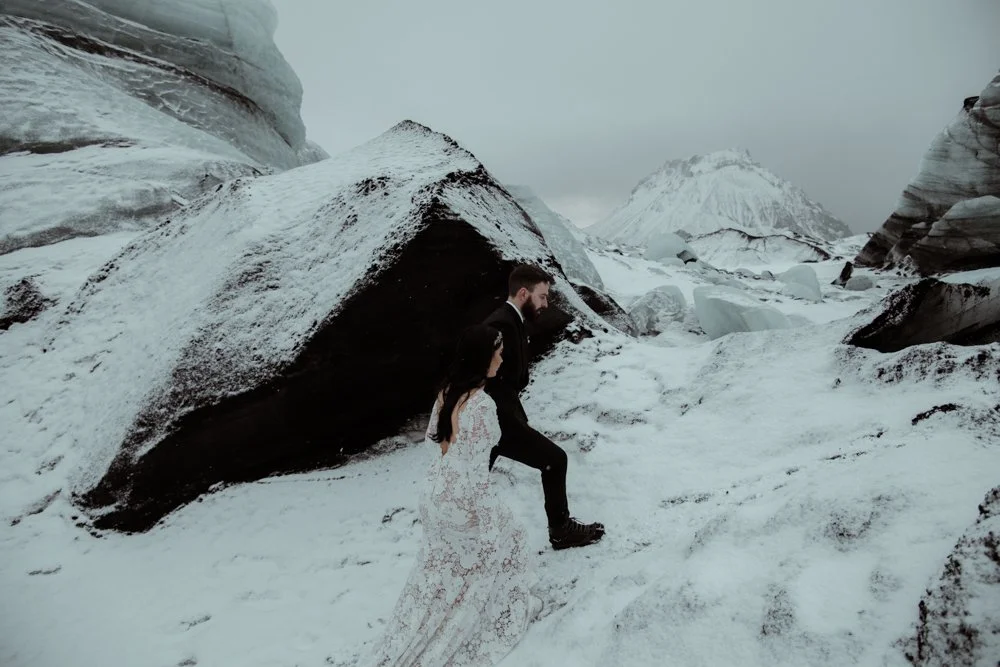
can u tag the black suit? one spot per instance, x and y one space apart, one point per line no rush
518 440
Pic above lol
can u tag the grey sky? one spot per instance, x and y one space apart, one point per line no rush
581 99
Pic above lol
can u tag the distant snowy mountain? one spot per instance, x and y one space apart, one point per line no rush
706 193
559 236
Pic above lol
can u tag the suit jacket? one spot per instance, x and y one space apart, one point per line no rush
512 376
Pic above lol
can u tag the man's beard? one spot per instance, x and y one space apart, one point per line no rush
530 312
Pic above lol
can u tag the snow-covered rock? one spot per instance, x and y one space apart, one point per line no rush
725 189
801 282
933 311
131 110
604 306
657 308
734 247
22 302
859 283
667 246
962 164
723 310
238 334
557 230
959 619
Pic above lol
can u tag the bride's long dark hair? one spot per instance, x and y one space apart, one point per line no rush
473 354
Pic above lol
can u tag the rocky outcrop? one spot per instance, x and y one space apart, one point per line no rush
22 302
932 311
958 619
957 185
287 321
606 307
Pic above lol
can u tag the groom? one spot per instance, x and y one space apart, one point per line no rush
528 293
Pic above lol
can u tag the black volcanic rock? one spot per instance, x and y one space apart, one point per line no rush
845 275
932 311
607 308
288 321
938 225
22 301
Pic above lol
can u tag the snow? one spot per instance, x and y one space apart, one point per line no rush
766 488
703 194
556 230
973 277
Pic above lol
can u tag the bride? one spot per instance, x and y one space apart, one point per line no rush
466 601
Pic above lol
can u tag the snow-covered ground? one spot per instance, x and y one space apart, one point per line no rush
771 499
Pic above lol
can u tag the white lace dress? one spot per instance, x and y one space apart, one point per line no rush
466 601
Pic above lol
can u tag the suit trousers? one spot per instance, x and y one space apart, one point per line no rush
519 442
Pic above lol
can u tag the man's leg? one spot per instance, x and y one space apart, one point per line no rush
525 445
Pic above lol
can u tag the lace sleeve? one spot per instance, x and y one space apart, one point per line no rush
462 478
480 431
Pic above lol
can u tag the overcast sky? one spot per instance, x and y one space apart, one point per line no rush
580 100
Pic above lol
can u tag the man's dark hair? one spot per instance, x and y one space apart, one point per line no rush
527 276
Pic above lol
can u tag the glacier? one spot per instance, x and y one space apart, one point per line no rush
948 216
132 120
557 230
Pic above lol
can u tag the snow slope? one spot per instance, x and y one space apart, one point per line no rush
705 193
776 489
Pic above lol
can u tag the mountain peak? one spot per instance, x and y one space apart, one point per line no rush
723 189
